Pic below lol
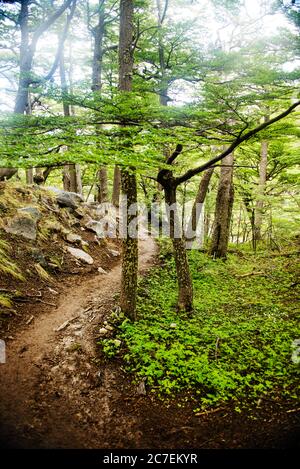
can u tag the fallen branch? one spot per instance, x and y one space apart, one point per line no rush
29 320
293 410
65 324
262 274
282 254
209 412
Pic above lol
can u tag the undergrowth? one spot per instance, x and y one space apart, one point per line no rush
238 344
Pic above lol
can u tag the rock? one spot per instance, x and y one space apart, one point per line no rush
114 253
173 325
39 257
22 225
32 211
117 342
99 378
80 255
101 271
141 389
96 227
109 328
79 213
66 199
69 199
103 331
73 238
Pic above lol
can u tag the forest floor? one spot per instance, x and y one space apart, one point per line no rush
57 391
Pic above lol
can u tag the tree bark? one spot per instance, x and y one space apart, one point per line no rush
26 58
128 178
263 163
102 195
223 210
29 176
98 33
185 286
200 197
27 49
71 173
116 187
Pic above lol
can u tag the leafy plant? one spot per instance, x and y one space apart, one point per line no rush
237 345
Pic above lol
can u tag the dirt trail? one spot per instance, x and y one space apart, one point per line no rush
52 394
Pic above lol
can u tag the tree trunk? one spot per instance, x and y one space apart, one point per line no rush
38 177
71 173
116 187
72 178
198 206
128 179
130 251
29 176
261 190
98 34
26 58
223 210
185 286
102 195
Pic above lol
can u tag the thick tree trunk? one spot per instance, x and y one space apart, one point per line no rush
185 286
198 206
223 210
129 185
261 190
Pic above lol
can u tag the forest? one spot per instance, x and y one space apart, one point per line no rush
149 225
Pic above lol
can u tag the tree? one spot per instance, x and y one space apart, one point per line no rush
224 204
128 176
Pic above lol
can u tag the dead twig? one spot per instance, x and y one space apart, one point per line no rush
65 324
291 411
217 348
248 274
199 414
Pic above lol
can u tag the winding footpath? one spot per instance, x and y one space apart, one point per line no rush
53 391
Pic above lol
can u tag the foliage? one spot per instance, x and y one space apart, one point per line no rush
236 346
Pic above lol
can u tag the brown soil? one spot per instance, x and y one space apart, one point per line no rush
54 393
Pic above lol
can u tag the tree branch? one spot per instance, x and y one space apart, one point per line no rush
242 138
174 155
46 25
60 46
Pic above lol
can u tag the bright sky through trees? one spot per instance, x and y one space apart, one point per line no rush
254 19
